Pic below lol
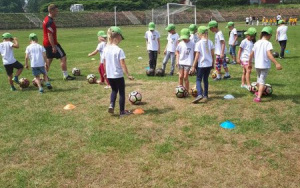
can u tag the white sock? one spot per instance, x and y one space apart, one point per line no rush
65 73
226 73
219 76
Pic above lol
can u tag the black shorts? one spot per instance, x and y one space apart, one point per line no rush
10 68
58 55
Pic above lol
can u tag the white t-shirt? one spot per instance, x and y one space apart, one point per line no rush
35 54
186 53
231 37
247 19
152 40
100 48
218 47
172 42
281 31
194 38
278 17
247 46
112 54
204 47
260 54
7 53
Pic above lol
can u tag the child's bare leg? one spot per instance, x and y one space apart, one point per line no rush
248 72
181 74
19 71
226 69
186 80
38 81
46 78
244 76
10 80
260 90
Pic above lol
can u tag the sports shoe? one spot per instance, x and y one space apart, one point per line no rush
111 109
12 88
217 79
49 86
16 80
198 98
233 62
69 78
41 90
205 99
125 113
256 99
227 77
171 73
107 87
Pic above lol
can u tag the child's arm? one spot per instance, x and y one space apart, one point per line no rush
235 39
26 60
177 58
16 43
195 62
45 60
222 49
93 53
165 51
238 60
124 67
146 44
277 35
213 58
158 40
250 60
270 56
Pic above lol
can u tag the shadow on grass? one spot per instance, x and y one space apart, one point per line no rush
157 111
133 83
295 98
64 90
292 57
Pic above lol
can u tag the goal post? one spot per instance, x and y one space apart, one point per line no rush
183 8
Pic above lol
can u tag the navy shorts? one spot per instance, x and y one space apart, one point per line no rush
36 71
10 68
60 53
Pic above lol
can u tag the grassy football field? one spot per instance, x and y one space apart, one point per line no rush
174 144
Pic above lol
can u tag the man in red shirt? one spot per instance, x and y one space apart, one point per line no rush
53 48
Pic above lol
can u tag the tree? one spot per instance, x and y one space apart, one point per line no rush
12 6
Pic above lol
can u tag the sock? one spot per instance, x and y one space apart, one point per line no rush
16 78
219 76
65 73
226 73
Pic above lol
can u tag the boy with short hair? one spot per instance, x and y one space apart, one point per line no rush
9 61
170 48
37 55
153 44
220 50
232 41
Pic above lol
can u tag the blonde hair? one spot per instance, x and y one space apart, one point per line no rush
205 35
112 37
52 7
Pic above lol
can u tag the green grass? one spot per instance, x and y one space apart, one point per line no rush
174 144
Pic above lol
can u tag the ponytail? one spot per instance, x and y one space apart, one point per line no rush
112 37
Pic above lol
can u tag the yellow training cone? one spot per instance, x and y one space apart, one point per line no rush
69 107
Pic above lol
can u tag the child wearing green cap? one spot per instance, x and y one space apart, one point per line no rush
203 63
185 57
115 67
170 48
244 55
100 47
262 54
232 41
8 59
193 31
37 55
153 45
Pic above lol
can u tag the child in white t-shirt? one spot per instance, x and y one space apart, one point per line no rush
244 56
100 47
220 50
281 36
9 61
37 56
115 67
170 48
204 62
153 45
262 54
185 57
193 32
232 41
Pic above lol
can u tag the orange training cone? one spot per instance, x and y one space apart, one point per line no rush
69 107
138 111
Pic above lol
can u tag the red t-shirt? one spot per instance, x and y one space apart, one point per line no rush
49 27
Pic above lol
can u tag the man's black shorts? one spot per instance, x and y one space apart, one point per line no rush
10 68
58 55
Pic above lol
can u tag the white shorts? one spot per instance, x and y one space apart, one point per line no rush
262 75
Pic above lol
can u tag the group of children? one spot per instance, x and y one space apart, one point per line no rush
34 52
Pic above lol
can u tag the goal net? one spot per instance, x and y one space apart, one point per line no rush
171 13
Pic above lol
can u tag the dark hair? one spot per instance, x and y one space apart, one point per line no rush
263 34
254 39
52 7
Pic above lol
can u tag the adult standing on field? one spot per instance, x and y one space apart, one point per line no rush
281 37
53 48
278 18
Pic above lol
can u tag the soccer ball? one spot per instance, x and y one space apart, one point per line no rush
150 72
275 54
214 74
91 78
35 84
253 87
181 92
159 72
268 90
24 82
194 91
135 97
227 59
76 71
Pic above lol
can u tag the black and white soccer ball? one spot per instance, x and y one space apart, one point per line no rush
135 97
76 71
91 78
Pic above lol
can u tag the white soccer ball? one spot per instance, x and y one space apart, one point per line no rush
135 97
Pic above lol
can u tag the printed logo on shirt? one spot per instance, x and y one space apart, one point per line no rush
153 37
173 41
187 52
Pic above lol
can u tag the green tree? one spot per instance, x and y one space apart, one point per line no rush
12 6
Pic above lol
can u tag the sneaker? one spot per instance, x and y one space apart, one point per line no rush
242 85
107 87
12 88
49 86
256 99
233 62
125 113
198 98
217 79
15 79
171 73
111 109
69 78
205 99
227 77
41 90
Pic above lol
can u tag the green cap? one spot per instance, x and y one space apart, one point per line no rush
192 27
212 23
281 22
7 36
170 27
151 26
202 29
101 34
268 30
116 29
33 36
184 33
251 31
229 24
